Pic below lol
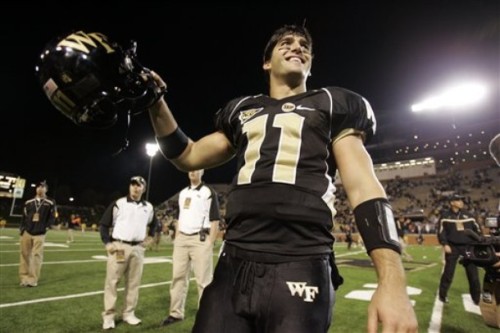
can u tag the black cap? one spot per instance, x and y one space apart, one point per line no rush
456 197
42 183
138 180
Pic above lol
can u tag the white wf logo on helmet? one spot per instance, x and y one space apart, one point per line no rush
301 289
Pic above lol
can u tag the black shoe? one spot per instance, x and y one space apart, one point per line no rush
444 299
170 320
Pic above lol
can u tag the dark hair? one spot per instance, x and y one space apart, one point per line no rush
283 31
42 183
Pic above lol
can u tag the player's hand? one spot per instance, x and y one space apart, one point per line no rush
158 80
159 85
391 307
447 249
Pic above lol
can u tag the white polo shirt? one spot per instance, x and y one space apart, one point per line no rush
194 209
131 219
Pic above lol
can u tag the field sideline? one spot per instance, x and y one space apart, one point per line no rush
69 297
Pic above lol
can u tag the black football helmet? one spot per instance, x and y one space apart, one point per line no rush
90 79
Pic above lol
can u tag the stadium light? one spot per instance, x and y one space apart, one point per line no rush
457 96
151 150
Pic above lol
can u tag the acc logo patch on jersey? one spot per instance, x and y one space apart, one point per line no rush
247 114
288 107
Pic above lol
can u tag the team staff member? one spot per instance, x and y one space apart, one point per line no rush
196 231
74 222
39 214
129 217
451 234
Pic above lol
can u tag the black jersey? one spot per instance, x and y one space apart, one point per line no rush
282 196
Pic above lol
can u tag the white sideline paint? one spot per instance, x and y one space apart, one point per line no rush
6 237
91 293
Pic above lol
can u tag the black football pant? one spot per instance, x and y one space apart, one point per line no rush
253 297
449 271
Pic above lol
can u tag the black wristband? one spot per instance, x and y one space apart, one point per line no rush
375 222
172 145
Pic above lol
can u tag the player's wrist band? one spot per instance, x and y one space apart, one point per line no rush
172 145
375 222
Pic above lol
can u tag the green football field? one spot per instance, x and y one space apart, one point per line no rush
69 295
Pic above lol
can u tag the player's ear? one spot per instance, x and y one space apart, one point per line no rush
266 66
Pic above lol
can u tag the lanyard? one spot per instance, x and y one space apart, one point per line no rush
38 204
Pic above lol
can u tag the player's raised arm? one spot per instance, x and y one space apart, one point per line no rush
209 151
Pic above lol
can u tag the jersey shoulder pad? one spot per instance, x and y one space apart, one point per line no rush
344 101
351 112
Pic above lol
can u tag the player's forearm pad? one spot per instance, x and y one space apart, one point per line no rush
375 222
172 145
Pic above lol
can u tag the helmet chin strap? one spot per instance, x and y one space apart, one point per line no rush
125 140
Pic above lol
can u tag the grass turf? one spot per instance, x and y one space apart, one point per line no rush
69 295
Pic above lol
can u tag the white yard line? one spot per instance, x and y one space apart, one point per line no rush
65 250
57 262
91 293
437 315
147 260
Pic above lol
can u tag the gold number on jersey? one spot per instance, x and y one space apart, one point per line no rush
255 130
287 157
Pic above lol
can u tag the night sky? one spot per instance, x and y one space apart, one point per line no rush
392 53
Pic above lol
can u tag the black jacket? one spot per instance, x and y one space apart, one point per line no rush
38 216
452 226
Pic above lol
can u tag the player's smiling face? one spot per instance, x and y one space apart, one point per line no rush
292 54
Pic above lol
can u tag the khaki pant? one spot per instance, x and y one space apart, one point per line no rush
189 251
70 237
131 268
31 258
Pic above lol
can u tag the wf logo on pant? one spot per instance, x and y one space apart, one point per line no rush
301 289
